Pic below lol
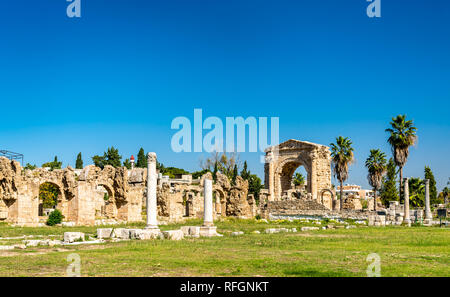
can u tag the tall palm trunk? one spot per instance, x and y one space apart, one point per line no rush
401 183
374 199
342 195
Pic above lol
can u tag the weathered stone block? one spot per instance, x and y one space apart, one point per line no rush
173 234
104 233
208 231
309 228
144 234
73 236
237 233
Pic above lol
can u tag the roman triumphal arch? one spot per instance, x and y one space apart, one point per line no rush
282 160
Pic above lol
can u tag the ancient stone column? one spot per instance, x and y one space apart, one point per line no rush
152 222
407 219
428 216
208 205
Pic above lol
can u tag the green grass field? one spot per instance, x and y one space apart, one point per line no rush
415 251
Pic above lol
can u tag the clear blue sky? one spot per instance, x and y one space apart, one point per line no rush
122 72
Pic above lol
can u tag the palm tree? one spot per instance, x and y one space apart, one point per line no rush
402 136
341 158
376 165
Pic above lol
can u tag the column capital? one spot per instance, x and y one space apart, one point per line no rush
151 157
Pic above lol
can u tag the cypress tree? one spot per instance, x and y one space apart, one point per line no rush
433 191
79 162
389 190
141 159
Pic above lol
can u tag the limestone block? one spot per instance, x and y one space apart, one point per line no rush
309 228
70 237
34 242
174 234
257 232
144 234
68 224
271 230
294 230
104 232
191 231
121 233
20 246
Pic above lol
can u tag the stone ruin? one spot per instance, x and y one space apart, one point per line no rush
93 194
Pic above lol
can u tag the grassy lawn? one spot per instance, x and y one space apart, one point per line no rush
415 251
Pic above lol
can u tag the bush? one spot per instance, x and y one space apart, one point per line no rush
54 218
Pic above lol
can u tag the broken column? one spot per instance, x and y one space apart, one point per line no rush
407 218
151 206
428 216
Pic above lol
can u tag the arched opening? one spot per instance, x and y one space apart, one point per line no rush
219 202
295 180
50 196
105 206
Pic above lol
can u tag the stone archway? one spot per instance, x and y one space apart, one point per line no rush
332 197
51 196
282 160
220 203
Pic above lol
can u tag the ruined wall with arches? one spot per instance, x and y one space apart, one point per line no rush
282 161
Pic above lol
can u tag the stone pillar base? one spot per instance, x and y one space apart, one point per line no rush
208 224
208 231
152 227
427 222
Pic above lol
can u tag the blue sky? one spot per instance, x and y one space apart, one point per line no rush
125 69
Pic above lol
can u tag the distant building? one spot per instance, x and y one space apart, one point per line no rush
355 191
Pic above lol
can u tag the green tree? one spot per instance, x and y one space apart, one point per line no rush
110 157
376 165
234 176
141 159
48 194
245 174
127 163
199 174
388 190
402 135
254 186
214 174
225 163
298 179
53 165
79 162
30 167
433 190
416 188
341 158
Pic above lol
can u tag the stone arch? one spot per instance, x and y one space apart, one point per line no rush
60 200
105 202
221 201
282 160
285 171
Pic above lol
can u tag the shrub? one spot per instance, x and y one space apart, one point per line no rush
54 218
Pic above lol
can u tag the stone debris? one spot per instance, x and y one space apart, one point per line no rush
144 234
68 224
309 228
237 233
20 246
104 233
6 247
256 232
193 231
173 234
84 242
70 237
